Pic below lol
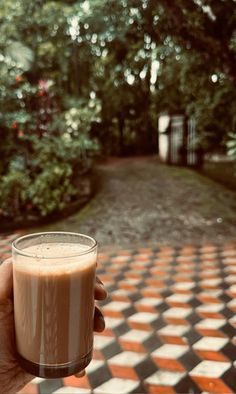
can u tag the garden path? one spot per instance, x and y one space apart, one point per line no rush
141 201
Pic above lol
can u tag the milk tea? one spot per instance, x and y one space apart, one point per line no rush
54 308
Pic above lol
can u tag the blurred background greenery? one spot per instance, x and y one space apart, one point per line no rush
85 79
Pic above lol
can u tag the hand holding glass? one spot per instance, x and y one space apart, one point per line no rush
54 280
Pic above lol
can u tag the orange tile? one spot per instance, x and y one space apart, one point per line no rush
132 346
174 340
210 332
123 372
169 364
176 320
140 326
216 386
72 381
208 299
156 389
211 355
151 293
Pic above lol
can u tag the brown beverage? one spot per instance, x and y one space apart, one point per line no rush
54 307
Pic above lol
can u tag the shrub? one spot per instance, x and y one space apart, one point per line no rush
13 192
46 179
51 189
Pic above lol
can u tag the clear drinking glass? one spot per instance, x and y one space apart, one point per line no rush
53 282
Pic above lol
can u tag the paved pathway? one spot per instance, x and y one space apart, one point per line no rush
142 202
170 319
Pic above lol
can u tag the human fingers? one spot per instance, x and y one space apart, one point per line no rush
6 282
100 292
99 322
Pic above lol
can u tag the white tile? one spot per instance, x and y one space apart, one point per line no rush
135 336
170 351
101 341
122 293
228 252
211 270
232 321
72 390
155 289
165 378
37 380
212 369
116 306
179 298
210 282
232 304
148 301
117 386
129 359
232 288
213 308
130 281
210 343
183 286
142 256
230 268
94 365
211 293
178 312
143 317
211 323
230 279
113 322
120 259
173 330
210 249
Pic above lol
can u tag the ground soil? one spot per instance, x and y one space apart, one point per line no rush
140 201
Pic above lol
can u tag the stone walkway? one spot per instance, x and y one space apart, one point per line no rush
170 323
142 202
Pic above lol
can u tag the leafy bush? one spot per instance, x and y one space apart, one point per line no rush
13 192
43 176
51 189
231 145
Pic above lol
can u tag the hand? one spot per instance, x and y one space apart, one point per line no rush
12 377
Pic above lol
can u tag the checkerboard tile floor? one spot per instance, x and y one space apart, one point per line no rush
170 324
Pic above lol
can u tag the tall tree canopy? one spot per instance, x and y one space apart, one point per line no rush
135 58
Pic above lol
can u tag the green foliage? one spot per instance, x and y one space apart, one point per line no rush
47 180
79 76
52 189
13 192
231 144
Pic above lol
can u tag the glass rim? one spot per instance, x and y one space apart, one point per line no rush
16 249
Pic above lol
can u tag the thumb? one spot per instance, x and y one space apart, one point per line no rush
6 281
